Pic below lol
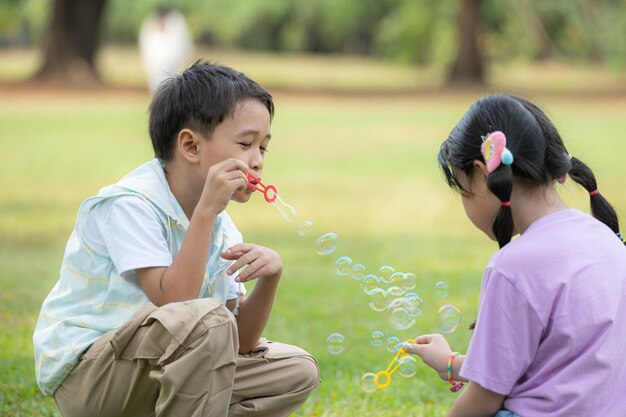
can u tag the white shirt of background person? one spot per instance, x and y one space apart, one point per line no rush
165 44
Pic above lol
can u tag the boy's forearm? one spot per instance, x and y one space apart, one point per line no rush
183 279
255 312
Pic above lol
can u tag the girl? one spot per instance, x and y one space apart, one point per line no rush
550 338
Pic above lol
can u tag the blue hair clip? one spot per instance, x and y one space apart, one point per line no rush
619 235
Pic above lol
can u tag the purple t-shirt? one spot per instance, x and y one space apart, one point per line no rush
551 328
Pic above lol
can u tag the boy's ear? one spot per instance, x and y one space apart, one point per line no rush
188 145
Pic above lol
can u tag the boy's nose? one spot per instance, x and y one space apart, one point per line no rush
256 161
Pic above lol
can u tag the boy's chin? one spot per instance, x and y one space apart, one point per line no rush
241 196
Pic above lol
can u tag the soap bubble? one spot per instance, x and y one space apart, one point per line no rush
395 303
305 228
370 283
377 299
289 213
335 343
408 366
358 271
409 281
343 266
401 319
395 291
378 338
449 318
441 289
395 279
393 344
410 302
385 272
413 303
367 382
327 243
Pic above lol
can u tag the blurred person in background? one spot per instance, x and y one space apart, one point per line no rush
165 44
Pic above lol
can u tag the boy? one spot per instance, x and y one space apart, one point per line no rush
148 317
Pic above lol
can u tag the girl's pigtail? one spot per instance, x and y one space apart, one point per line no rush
601 209
500 182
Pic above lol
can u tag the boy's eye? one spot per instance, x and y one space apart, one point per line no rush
245 144
264 149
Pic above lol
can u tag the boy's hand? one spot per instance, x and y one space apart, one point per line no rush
434 351
222 181
258 260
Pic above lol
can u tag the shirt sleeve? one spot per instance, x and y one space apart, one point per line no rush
134 236
506 337
235 289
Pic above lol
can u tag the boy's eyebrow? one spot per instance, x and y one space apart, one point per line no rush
254 132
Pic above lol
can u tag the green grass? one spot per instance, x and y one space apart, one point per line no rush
363 168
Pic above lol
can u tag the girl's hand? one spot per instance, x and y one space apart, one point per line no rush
259 262
434 351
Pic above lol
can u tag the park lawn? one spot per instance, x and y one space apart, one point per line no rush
364 168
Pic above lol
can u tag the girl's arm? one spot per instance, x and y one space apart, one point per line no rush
476 401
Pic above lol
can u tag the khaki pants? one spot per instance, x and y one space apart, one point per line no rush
181 360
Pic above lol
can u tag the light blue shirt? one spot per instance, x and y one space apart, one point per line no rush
92 298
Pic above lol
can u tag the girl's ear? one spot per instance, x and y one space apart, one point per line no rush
187 143
477 164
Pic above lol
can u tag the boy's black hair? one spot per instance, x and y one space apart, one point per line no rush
199 98
539 156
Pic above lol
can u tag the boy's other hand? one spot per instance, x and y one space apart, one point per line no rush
258 260
434 351
222 181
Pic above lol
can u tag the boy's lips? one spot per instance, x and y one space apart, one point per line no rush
253 182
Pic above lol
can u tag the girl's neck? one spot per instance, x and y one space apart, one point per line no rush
529 205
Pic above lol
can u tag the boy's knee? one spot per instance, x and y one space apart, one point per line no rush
306 372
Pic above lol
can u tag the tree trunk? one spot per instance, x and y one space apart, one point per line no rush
72 42
468 66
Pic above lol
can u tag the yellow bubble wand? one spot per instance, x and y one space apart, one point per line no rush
386 374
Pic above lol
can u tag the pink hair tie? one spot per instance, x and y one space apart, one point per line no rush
594 192
506 203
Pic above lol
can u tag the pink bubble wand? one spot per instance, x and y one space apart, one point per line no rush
269 191
271 196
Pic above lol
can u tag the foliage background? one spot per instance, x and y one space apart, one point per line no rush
413 31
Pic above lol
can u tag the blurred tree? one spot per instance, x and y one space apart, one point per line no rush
468 66
592 25
547 48
71 42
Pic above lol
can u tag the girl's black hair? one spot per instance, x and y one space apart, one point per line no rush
200 98
540 156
